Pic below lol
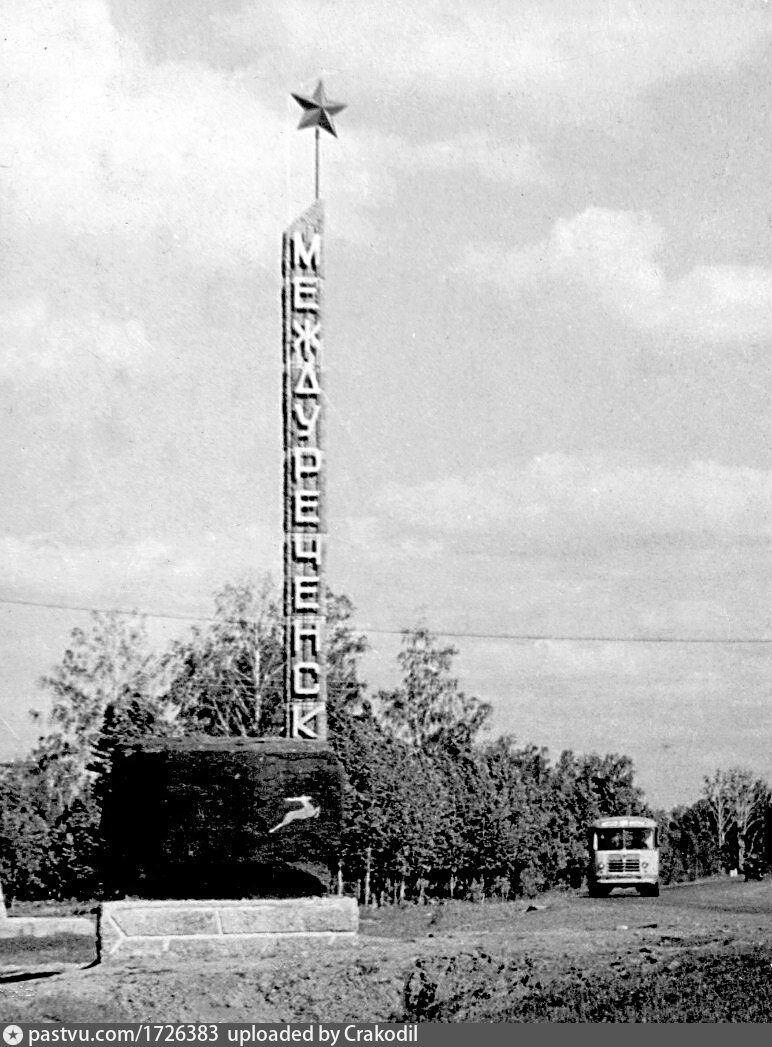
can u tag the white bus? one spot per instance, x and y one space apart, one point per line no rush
623 852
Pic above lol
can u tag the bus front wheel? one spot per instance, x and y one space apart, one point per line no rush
598 890
649 890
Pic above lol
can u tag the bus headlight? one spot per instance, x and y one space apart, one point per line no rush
644 865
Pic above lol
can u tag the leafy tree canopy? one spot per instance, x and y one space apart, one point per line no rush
429 709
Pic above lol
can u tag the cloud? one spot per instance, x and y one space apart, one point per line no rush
448 72
35 344
577 660
560 494
482 153
547 57
151 574
616 257
100 141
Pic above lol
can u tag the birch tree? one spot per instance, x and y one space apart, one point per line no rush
738 802
429 708
226 677
106 668
750 800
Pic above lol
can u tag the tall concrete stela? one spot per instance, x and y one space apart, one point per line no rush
305 528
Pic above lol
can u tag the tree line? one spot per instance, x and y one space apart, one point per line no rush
434 806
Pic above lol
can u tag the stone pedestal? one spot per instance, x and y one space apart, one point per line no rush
212 928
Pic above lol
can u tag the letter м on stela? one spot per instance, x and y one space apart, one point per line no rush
306 256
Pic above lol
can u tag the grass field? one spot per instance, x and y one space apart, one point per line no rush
726 986
699 953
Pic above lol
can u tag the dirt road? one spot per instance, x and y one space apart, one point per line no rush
365 982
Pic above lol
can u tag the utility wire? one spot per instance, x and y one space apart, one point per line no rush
376 631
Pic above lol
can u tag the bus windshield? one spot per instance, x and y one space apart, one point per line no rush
624 840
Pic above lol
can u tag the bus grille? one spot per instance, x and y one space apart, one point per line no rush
624 865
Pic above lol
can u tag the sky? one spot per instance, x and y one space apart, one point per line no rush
547 344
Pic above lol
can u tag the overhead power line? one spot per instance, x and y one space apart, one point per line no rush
453 634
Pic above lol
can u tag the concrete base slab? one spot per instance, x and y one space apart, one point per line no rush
253 926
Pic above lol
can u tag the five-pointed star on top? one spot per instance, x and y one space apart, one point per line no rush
319 110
